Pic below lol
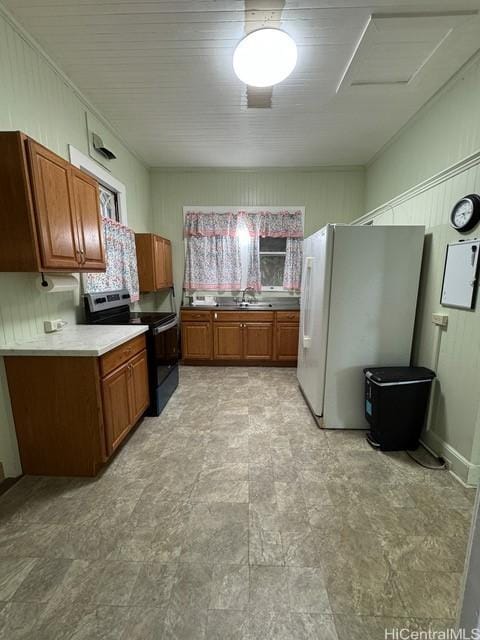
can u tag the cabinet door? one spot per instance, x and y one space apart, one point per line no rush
139 395
89 223
167 254
116 406
56 224
159 262
227 341
196 340
258 340
286 341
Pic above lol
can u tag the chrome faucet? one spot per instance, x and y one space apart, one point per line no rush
245 291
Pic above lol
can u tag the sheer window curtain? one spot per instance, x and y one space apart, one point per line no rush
212 260
121 262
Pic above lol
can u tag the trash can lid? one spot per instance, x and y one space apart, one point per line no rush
398 374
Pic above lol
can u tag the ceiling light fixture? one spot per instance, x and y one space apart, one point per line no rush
265 57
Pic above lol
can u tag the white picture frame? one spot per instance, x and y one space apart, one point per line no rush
460 275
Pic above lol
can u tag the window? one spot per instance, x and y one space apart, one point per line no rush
113 193
272 262
109 203
230 248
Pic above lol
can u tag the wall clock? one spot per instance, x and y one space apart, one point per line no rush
466 213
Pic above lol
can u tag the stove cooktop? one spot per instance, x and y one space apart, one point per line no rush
153 319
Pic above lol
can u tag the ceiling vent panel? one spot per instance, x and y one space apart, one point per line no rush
398 50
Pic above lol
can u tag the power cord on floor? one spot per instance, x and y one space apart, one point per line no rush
442 466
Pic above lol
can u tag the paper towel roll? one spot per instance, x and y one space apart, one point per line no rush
57 283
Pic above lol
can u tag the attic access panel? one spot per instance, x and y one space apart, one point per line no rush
460 276
397 50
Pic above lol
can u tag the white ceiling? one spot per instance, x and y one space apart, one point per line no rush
161 72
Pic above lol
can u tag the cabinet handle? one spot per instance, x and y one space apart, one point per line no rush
215 316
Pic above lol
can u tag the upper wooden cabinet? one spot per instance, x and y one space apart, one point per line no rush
49 211
154 258
89 222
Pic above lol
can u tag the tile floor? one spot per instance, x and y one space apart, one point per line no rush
233 516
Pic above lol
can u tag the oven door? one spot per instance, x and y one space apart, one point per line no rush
163 352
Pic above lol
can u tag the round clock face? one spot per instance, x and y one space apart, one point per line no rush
466 213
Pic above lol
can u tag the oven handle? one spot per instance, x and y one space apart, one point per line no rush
165 327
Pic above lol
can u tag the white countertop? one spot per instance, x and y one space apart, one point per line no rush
76 340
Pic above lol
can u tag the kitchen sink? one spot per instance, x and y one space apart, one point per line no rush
254 305
225 302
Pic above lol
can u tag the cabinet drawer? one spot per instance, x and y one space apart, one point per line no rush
288 316
121 354
196 316
243 316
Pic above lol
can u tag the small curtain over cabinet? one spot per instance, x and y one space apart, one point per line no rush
283 224
212 260
121 262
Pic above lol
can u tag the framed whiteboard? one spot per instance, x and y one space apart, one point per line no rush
460 274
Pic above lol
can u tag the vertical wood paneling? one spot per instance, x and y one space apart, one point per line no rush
35 99
328 196
457 403
443 132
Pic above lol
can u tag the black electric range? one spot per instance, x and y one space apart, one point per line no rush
113 307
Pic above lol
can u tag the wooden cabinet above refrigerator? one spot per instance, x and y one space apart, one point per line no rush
49 211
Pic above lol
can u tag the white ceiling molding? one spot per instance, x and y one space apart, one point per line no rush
398 50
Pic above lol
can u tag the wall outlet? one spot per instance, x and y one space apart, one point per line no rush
50 326
441 319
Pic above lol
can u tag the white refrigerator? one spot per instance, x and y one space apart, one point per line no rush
358 302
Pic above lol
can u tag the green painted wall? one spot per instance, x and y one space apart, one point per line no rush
34 98
329 195
444 132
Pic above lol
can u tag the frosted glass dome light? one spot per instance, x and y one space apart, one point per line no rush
265 57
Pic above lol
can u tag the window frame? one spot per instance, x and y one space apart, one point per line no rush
273 253
83 162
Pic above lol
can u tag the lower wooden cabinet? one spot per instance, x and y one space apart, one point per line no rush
71 413
258 340
125 398
242 337
228 341
197 340
286 341
115 391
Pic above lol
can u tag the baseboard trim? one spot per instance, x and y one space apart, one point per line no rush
464 470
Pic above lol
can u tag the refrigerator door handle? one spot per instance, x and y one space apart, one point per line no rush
306 337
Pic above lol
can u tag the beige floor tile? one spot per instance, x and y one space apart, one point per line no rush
233 516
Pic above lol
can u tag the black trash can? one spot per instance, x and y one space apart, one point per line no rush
396 403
